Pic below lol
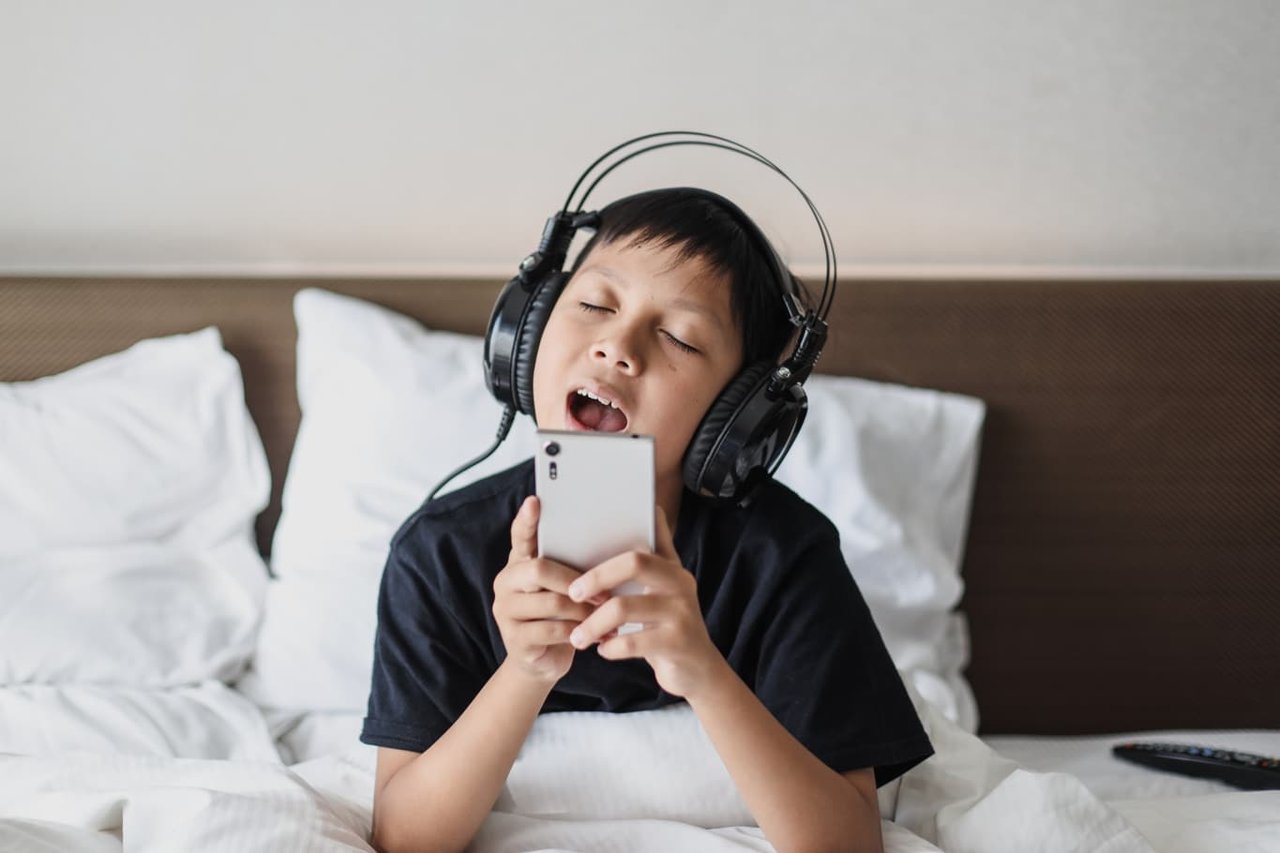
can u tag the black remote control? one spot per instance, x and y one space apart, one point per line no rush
1241 769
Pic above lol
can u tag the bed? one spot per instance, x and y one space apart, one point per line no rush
1059 497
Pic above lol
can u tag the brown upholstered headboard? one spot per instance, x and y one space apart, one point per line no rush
1123 560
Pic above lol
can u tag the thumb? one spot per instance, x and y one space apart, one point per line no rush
524 530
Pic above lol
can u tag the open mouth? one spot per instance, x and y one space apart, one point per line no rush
593 412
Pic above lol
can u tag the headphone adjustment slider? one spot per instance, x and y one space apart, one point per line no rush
778 382
530 269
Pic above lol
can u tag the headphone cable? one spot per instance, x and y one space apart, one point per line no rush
504 427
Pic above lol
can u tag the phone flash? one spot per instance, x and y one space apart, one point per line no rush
552 470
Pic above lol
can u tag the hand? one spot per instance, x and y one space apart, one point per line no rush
674 640
531 605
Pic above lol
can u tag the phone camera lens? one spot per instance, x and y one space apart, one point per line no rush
552 448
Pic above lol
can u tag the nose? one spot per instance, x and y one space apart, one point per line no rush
619 349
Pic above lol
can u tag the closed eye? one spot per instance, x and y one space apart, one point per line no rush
679 343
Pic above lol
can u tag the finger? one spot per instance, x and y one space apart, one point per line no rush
524 530
542 573
544 632
663 537
544 605
648 610
637 645
639 566
537 574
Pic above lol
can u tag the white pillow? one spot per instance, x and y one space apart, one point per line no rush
390 407
128 491
893 468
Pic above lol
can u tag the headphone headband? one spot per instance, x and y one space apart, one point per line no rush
751 425
726 144
560 228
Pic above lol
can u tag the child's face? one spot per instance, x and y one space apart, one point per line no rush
616 331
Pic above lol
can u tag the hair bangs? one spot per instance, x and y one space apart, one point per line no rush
697 227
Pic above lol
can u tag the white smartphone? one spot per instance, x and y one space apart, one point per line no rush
596 491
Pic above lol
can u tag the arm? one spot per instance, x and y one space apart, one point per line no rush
799 802
437 800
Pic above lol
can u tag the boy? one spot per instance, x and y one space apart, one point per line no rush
750 615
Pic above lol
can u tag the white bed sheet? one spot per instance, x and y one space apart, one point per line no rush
308 736
207 720
563 795
1089 759
1171 814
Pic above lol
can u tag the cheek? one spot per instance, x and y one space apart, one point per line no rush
547 404
686 409
694 404
546 370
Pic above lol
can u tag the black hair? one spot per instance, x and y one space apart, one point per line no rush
697 226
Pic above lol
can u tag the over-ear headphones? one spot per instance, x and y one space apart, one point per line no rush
753 422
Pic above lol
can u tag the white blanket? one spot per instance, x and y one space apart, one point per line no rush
82 802
629 782
206 720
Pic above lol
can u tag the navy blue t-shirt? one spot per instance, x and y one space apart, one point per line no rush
775 592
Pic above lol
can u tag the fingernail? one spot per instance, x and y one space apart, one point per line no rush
576 590
576 638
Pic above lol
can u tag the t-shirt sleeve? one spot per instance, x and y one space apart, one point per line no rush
825 674
427 664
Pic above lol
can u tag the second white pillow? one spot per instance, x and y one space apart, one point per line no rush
388 409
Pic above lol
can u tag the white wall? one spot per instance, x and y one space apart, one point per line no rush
978 136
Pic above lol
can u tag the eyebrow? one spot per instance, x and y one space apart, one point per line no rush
680 302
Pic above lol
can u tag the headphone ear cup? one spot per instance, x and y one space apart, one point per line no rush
715 423
529 335
744 436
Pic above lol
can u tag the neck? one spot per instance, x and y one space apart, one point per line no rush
668 492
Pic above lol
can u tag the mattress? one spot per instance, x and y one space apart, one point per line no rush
1089 759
